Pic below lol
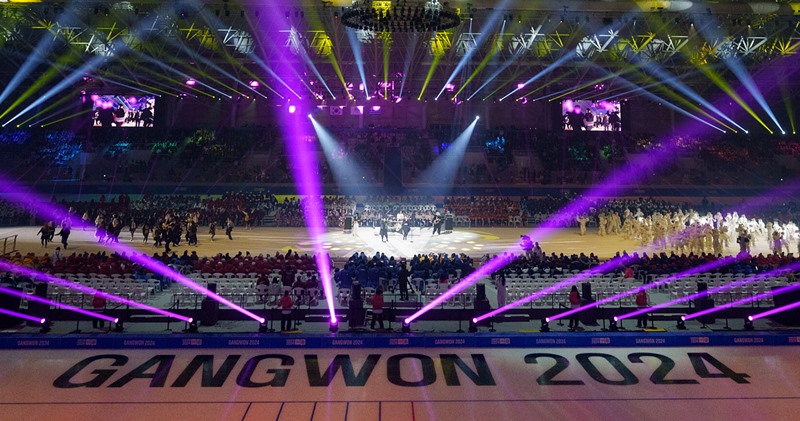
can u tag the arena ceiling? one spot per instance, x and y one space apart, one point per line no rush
494 46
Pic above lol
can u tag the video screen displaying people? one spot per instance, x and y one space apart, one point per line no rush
123 111
583 115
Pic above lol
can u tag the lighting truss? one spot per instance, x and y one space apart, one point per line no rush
402 16
238 39
440 42
739 47
466 42
523 42
596 44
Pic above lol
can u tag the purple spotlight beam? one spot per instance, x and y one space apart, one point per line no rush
749 279
304 165
487 269
571 210
21 315
87 290
38 299
558 285
780 309
699 269
746 300
54 213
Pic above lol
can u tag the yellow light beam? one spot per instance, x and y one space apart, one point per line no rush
496 48
63 99
174 80
717 80
387 47
67 117
338 70
428 78
45 78
787 102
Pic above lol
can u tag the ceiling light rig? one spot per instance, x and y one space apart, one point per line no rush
404 16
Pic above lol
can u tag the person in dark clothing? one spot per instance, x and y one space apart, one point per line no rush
384 231
191 234
437 224
229 228
46 233
641 303
402 281
212 229
65 231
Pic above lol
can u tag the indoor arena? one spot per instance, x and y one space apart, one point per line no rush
399 210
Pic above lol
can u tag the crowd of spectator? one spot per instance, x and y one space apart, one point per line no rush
508 156
292 269
108 264
12 215
382 271
291 212
255 209
490 210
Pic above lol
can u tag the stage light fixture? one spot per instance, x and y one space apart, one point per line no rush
191 82
292 109
414 16
681 323
119 327
192 326
545 325
406 327
473 327
748 323
254 84
262 327
612 325
334 326
86 290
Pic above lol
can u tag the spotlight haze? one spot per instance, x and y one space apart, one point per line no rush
86 290
22 316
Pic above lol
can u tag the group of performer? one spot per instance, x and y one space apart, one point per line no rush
48 232
400 223
167 230
690 232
